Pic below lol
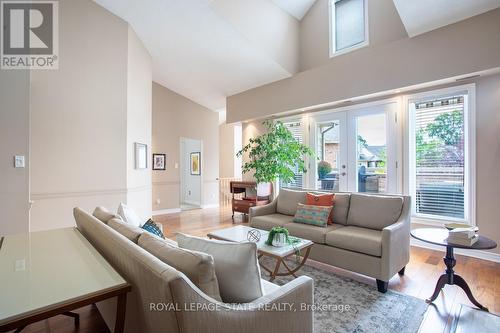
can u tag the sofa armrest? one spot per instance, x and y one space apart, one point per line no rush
268 209
287 309
396 244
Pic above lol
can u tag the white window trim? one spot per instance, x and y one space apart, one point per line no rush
331 20
469 149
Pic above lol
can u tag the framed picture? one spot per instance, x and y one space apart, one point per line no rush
141 156
196 164
159 161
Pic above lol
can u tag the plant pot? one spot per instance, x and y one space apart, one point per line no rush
279 240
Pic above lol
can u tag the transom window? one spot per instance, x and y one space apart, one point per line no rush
349 25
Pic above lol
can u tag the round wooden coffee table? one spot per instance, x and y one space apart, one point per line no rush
439 236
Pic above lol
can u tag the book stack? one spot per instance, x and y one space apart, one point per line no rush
463 236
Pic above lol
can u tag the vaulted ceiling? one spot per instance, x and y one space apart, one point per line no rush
209 49
425 15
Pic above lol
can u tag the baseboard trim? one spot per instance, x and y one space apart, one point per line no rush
485 255
166 211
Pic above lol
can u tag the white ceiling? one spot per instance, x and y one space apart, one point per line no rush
296 8
207 50
420 16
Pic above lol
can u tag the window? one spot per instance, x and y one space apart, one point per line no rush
440 161
296 129
349 26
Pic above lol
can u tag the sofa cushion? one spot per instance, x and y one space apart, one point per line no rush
151 227
356 239
199 267
127 230
129 216
288 200
268 287
341 207
312 215
103 214
267 222
236 266
313 233
374 211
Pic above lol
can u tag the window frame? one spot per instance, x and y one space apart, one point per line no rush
332 41
469 151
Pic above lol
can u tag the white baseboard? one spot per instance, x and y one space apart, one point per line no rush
485 255
210 206
166 211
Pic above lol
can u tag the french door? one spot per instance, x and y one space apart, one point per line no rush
356 149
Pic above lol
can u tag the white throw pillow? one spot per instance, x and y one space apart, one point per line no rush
236 267
129 216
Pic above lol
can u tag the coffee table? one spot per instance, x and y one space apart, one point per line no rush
239 234
439 236
47 273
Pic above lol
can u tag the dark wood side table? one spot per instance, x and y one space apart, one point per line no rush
439 236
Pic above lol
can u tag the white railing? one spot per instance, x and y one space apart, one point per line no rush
225 196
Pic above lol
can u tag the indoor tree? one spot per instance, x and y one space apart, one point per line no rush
275 154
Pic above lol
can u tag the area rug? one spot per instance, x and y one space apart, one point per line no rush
347 306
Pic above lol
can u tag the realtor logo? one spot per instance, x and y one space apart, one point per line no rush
30 35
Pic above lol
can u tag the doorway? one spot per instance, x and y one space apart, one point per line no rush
191 173
356 149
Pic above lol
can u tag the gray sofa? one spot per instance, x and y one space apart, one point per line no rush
370 234
154 282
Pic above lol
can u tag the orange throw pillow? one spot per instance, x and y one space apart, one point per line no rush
321 200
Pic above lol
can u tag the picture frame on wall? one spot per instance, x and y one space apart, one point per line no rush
195 163
159 161
141 155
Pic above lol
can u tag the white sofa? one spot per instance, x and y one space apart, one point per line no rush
154 282
370 234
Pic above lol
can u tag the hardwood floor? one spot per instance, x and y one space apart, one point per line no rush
419 280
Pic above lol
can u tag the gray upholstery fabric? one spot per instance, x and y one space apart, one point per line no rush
356 239
313 233
125 229
103 214
267 222
236 266
287 201
374 211
154 282
199 267
341 207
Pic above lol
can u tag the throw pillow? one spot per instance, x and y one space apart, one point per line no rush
129 216
153 228
321 200
236 266
199 267
103 214
313 215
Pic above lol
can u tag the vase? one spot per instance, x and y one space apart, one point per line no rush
279 240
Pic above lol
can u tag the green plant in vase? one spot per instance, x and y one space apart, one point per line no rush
279 236
324 168
275 154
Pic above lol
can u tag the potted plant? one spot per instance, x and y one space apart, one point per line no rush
279 236
324 168
274 155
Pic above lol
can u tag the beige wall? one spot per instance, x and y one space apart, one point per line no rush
458 49
80 134
14 140
230 136
174 117
251 129
139 114
384 26
488 156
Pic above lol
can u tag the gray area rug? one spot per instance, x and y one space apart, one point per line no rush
349 306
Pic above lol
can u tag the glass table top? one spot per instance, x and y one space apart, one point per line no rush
42 269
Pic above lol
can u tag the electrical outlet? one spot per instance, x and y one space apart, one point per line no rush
176 165
158 201
20 265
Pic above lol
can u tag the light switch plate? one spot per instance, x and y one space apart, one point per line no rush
176 165
19 161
